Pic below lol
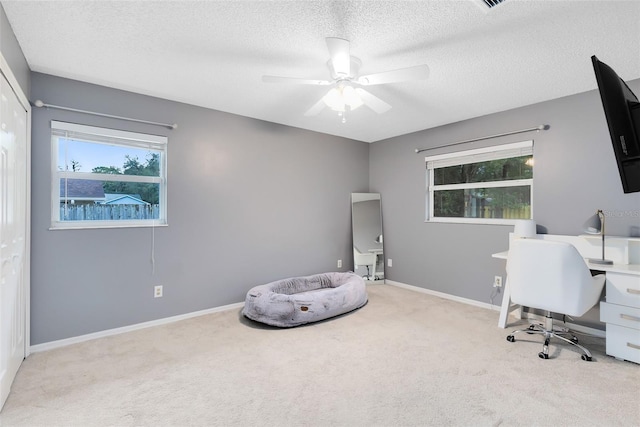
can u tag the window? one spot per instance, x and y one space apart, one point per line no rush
491 185
106 177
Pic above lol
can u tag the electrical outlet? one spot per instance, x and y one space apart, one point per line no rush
339 263
389 262
157 291
497 282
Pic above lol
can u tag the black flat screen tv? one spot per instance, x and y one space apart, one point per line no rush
622 111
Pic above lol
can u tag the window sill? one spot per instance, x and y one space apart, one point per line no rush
90 226
482 221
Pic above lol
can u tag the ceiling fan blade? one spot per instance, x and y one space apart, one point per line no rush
373 102
340 56
419 72
294 80
315 110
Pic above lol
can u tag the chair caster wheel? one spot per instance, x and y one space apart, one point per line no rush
541 355
586 358
530 328
574 340
511 338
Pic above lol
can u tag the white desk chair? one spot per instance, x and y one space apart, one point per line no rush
365 260
551 276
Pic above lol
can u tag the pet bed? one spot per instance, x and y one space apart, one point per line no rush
299 300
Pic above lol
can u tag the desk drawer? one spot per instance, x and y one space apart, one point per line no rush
623 289
620 315
623 343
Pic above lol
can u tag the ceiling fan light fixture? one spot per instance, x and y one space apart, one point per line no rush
351 97
334 100
338 98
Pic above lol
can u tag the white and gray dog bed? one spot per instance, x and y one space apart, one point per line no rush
299 300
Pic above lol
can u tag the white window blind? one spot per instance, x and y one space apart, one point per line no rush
74 131
505 151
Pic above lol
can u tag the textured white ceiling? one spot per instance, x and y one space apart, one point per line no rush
213 53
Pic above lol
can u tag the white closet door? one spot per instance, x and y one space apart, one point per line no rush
13 235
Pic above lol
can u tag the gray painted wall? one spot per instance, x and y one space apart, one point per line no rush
249 202
575 174
12 53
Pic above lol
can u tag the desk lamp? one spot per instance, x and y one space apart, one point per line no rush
524 229
595 225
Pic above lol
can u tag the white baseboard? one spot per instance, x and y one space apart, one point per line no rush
444 295
574 327
116 331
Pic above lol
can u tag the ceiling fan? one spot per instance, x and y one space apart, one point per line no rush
347 93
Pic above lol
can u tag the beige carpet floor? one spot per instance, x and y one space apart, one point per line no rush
404 359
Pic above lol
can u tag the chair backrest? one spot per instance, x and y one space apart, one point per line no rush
551 276
359 258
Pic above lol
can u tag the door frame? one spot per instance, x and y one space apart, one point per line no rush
24 101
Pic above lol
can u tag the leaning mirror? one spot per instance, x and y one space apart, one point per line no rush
368 253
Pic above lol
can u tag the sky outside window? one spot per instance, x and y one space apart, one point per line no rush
90 155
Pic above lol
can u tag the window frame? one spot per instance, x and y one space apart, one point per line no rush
496 152
114 137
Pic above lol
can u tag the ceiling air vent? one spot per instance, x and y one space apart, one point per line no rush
487 5
492 3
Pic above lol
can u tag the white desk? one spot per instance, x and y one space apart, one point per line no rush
506 306
621 310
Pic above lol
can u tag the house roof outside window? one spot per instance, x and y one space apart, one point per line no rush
124 199
88 190
81 189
